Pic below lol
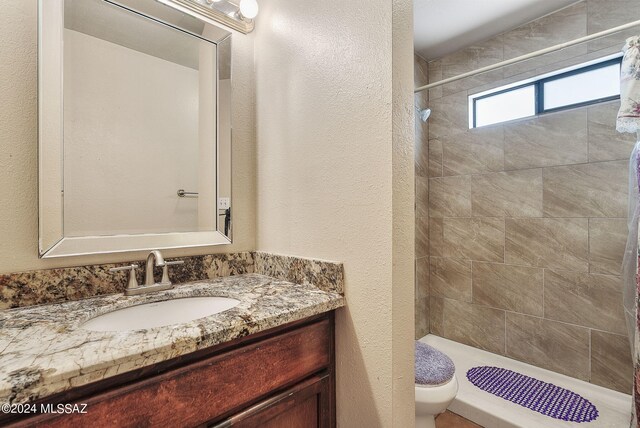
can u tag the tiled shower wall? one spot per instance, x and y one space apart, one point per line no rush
422 203
527 221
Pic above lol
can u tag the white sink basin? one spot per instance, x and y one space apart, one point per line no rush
159 314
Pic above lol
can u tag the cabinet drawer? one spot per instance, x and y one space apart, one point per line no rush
306 404
203 391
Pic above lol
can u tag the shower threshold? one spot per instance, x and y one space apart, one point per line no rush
491 411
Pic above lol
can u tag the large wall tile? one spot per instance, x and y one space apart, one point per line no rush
420 70
421 310
614 42
422 197
473 152
591 190
611 364
514 288
478 238
421 148
420 74
471 58
476 55
423 279
503 82
420 77
474 325
508 194
545 242
489 132
450 196
584 299
605 14
548 344
421 237
436 237
451 278
421 153
574 58
605 143
422 297
546 63
435 75
449 116
471 82
565 25
553 139
421 145
607 241
435 158
436 315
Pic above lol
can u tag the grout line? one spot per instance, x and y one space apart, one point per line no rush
553 269
504 241
544 281
589 355
505 333
509 311
589 245
542 190
472 282
586 127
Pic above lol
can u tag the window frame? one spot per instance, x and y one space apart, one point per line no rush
538 85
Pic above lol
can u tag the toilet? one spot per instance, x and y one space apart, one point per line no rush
436 384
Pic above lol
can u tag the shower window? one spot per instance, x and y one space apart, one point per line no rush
579 86
508 105
600 82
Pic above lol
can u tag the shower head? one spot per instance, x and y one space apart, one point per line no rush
423 114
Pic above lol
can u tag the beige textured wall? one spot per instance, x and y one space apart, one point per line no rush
327 172
527 225
18 147
403 202
421 99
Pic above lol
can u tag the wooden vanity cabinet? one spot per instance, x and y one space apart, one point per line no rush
280 378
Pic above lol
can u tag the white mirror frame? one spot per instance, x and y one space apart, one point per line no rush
52 243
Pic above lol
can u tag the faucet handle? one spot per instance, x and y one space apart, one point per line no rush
165 270
133 281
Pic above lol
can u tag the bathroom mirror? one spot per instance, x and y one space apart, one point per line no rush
134 101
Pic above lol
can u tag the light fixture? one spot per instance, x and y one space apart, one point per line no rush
239 16
249 8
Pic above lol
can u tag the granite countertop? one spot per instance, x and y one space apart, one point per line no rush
44 351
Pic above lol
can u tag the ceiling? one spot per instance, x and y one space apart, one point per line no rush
444 26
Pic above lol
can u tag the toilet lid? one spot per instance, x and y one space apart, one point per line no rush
432 366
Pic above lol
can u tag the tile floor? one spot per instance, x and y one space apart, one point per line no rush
451 420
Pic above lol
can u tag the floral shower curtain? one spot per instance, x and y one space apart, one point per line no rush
629 121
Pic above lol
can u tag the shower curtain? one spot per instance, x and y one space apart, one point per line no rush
629 121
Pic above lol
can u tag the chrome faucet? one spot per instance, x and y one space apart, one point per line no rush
154 256
153 259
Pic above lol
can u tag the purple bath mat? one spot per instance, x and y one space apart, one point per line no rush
534 394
